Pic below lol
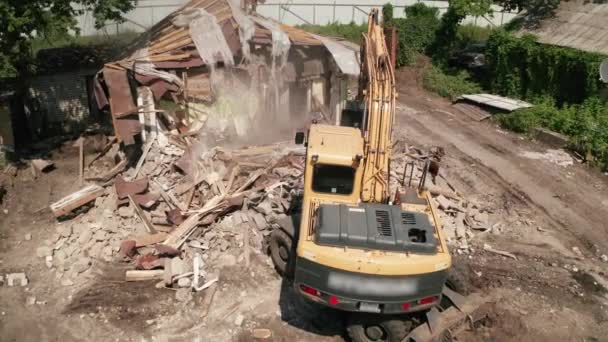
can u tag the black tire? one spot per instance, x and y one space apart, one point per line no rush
281 251
377 328
458 279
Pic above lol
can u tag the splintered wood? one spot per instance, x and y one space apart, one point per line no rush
76 200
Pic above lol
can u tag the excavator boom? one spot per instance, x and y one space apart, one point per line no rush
378 86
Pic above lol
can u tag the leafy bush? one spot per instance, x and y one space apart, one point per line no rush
416 31
446 85
520 67
470 34
351 32
586 124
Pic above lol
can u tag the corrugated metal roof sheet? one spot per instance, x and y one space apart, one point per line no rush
578 24
496 101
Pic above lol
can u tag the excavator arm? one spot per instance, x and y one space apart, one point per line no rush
378 94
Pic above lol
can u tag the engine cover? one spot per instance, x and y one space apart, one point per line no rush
374 226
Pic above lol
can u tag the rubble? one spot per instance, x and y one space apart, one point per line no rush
16 279
260 334
39 166
184 209
44 251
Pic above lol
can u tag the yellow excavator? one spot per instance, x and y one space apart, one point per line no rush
352 247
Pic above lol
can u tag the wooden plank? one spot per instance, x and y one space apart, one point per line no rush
80 144
142 159
164 195
183 229
210 293
143 275
76 200
169 35
147 224
150 239
169 39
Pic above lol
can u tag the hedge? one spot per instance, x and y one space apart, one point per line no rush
521 67
416 31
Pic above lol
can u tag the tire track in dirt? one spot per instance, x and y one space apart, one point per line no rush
511 172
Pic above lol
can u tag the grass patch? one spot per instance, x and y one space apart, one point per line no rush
59 40
586 125
449 85
351 32
470 34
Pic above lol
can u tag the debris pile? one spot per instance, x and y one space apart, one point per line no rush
177 212
462 218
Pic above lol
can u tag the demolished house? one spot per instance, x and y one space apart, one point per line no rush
210 65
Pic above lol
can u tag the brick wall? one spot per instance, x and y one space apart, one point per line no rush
58 102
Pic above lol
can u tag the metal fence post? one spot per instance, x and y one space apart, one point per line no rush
314 14
334 16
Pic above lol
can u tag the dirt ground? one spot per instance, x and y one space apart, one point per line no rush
552 218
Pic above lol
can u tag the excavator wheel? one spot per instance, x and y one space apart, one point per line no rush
281 251
377 328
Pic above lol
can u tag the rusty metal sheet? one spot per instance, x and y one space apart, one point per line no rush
184 163
100 95
127 249
175 217
231 35
127 128
312 68
148 262
146 200
121 99
188 63
125 188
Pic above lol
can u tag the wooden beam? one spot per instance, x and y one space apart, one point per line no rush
147 224
76 200
80 143
143 275
142 159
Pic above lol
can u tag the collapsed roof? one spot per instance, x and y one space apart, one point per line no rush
204 33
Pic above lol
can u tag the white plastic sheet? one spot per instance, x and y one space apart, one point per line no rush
143 66
246 27
207 36
280 39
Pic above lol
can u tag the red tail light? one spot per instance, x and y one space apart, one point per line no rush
310 290
405 306
427 300
333 300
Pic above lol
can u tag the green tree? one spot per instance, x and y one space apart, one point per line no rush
23 20
446 36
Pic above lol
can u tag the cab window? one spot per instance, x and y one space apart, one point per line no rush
333 179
